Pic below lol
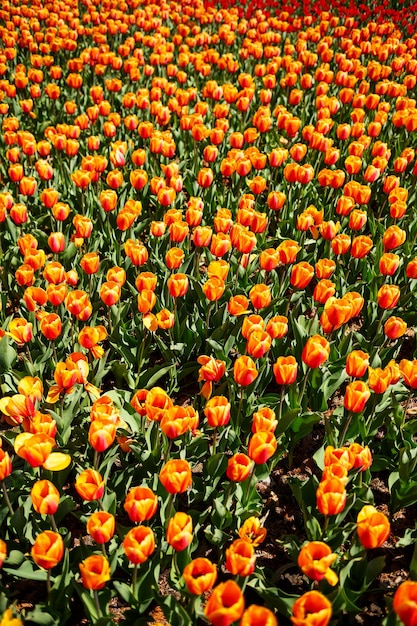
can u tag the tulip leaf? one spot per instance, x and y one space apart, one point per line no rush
8 354
27 571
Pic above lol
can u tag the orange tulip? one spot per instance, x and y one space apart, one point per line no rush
90 485
179 531
260 296
240 558
315 560
331 496
262 445
110 292
176 476
35 449
379 379
178 285
388 296
5 465
200 575
258 616
393 237
217 411
356 396
101 435
405 602
311 609
45 497
95 571
140 504
213 288
357 363
388 264
264 419
101 526
20 330
139 544
225 604
3 557
48 549
373 527
285 370
316 351
408 370
239 467
244 371
252 531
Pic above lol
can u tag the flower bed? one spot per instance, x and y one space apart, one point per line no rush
208 278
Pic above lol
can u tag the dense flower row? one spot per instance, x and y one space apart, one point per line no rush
208 248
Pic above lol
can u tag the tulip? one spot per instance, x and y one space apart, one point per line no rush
239 467
176 476
362 456
331 496
258 344
35 449
393 237
101 526
140 504
45 497
315 560
356 396
395 327
357 363
252 531
217 411
157 402
405 602
20 330
244 371
408 370
288 250
316 351
177 285
200 575
213 288
90 485
258 616
361 246
139 544
373 527
3 557
240 558
95 571
179 531
388 264
260 296
101 435
48 549
379 379
311 609
285 370
110 292
262 445
225 604
388 296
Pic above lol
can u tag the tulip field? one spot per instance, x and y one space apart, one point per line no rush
208 296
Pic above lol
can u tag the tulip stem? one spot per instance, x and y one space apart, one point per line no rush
6 498
346 427
134 580
97 603
239 411
248 486
406 408
169 507
303 388
29 354
96 459
53 523
281 400
48 584
208 319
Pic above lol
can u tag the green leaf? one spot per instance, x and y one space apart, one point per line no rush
8 354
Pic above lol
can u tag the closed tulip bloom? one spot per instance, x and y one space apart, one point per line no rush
244 371
260 296
5 465
45 497
95 571
388 296
315 560
277 327
225 604
393 237
258 616
361 246
408 370
101 526
373 527
217 411
101 435
240 558
140 504
50 326
316 351
176 476
3 557
301 275
239 467
362 457
258 344
388 264
252 323
56 242
331 496
213 288
178 285
48 549
411 269
179 532
200 575
165 319
323 291
357 363
110 292
139 544
311 609
288 250
269 259
90 263
264 419
341 244
356 396
395 327
324 268
285 370
379 379
90 485
262 445
405 602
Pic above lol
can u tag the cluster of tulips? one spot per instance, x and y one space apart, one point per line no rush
208 250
